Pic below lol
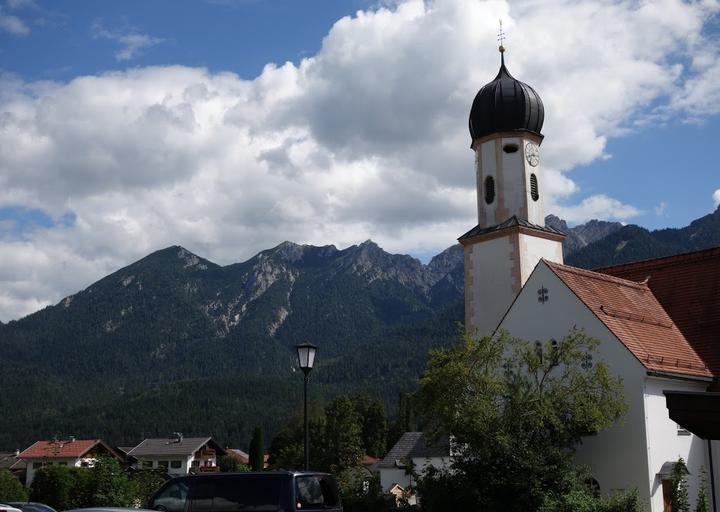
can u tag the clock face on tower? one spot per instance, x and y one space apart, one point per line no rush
532 154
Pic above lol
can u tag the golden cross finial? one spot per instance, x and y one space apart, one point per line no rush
501 37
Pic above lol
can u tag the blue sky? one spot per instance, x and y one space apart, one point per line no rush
228 126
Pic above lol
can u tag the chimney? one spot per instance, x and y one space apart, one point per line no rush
72 439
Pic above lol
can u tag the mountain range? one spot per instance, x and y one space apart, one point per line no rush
174 342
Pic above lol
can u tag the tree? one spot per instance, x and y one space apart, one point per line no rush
342 440
701 505
10 487
145 483
107 485
516 411
57 486
257 450
679 494
373 424
232 465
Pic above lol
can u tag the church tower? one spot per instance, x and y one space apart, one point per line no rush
511 237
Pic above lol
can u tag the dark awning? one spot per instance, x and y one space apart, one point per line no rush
696 411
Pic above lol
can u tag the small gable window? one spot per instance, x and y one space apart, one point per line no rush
534 187
489 189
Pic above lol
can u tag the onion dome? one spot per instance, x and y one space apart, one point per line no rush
506 104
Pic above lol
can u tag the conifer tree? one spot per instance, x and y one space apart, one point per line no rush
257 450
701 505
680 500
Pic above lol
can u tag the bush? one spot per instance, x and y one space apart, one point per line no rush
232 465
10 487
58 487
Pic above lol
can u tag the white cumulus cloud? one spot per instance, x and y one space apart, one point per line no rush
716 198
365 139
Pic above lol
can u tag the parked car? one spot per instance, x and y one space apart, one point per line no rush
8 508
238 492
31 506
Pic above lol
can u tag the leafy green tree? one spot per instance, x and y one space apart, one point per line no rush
107 484
679 494
57 486
361 491
342 440
11 489
232 465
701 505
145 483
257 450
516 411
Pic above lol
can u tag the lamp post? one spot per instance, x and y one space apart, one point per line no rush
306 357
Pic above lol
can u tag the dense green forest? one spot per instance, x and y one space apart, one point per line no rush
174 342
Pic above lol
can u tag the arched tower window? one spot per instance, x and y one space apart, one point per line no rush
534 187
489 189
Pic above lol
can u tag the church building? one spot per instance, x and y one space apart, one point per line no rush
658 321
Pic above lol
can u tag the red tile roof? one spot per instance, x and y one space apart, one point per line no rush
688 288
632 313
58 449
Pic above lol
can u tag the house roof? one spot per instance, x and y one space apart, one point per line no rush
165 446
413 445
10 460
632 313
688 288
62 448
238 454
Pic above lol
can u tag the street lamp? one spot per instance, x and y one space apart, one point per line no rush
306 357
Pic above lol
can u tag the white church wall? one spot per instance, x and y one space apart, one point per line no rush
665 442
617 456
491 291
533 249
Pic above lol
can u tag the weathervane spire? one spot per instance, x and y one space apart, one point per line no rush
501 39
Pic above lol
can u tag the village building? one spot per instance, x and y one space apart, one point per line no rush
657 321
70 452
178 455
411 453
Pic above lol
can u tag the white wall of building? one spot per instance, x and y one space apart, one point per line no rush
391 476
490 270
665 443
617 456
34 464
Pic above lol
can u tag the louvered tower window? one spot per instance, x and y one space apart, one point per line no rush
534 187
489 189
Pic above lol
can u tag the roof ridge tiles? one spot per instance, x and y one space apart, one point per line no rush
639 285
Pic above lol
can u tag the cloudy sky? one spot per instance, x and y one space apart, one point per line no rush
228 126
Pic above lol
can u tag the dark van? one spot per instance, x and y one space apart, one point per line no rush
269 491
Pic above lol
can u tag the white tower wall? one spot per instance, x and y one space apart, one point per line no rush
499 261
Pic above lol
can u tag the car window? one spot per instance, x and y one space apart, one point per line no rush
315 492
249 492
171 499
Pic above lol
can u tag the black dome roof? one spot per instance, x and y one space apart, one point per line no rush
506 104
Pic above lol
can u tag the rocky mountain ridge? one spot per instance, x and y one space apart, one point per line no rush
175 342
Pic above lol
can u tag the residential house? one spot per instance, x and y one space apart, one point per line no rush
70 452
412 452
179 455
